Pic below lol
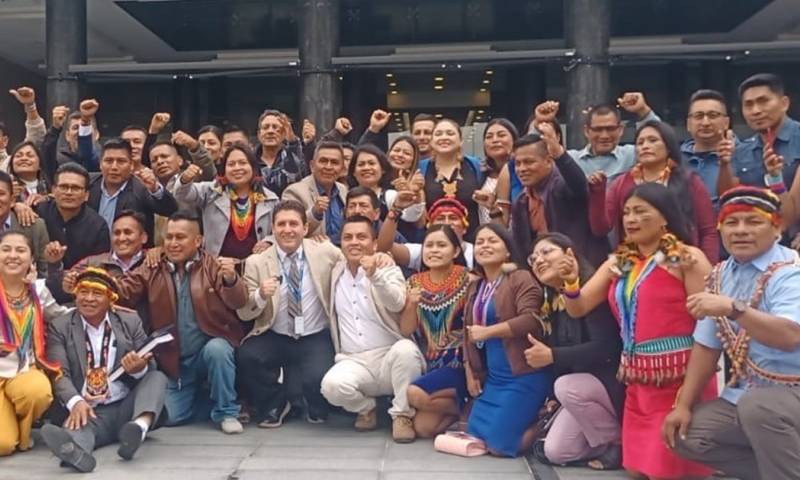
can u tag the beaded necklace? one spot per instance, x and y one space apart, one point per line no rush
637 172
23 329
440 308
242 215
480 309
736 341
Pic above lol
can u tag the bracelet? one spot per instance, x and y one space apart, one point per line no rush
775 183
495 214
572 290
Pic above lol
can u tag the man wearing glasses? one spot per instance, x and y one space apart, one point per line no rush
69 221
603 131
711 146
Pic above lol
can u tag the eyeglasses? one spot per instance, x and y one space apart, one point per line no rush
541 253
712 115
70 188
604 129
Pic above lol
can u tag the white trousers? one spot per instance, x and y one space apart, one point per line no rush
357 378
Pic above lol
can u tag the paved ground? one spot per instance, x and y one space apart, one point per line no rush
297 451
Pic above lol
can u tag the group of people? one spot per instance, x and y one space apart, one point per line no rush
568 302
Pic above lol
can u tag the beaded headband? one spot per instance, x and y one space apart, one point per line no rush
448 205
750 199
98 279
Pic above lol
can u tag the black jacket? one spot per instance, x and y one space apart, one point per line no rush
137 198
85 234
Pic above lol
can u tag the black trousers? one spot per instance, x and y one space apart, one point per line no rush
304 362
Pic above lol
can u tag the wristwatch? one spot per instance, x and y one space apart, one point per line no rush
738 308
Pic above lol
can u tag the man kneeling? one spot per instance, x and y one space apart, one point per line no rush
372 358
90 343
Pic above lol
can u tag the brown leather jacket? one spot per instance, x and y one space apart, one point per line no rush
517 301
214 303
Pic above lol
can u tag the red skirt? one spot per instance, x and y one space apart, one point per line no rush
643 450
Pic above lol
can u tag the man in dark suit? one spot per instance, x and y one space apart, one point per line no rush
118 188
90 343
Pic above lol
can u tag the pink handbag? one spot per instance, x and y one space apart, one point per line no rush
459 443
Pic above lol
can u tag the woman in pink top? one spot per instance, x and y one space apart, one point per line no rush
658 160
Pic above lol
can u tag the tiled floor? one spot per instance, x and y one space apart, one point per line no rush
297 451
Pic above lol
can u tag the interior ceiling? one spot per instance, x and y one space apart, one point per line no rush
199 30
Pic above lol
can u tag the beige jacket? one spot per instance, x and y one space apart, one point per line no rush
305 191
321 258
387 292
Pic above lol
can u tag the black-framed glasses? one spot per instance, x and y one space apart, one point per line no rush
711 115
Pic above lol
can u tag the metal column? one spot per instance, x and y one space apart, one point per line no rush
320 94
66 44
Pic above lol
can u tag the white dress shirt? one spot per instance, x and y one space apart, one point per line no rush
116 390
360 329
314 317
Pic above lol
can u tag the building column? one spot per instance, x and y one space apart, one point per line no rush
587 25
65 32
320 94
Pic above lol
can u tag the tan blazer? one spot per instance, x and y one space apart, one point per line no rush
387 291
321 258
305 191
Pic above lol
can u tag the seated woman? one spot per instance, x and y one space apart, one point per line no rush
647 282
434 315
501 320
237 207
25 308
584 353
26 169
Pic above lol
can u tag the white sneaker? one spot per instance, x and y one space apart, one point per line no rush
231 425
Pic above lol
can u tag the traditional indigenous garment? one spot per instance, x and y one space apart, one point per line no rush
656 328
441 330
241 235
23 364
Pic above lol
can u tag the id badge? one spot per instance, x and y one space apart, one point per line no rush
299 326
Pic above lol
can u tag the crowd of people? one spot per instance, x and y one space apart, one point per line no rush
569 302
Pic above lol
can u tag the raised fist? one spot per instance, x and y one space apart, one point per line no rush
158 122
546 111
89 108
24 95
60 114
183 139
343 126
634 102
191 174
378 121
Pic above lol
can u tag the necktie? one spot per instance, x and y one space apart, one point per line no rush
295 308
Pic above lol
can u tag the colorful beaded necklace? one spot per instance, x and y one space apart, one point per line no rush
24 329
736 341
637 172
242 215
441 306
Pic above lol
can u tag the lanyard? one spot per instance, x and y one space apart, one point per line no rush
297 292
90 359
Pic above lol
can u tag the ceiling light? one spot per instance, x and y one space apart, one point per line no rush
483 89
392 84
389 75
438 87
438 79
487 81
394 92
439 115
489 72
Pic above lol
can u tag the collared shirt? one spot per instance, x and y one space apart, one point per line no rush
192 338
706 164
7 223
748 158
360 328
781 298
108 203
334 217
415 255
614 163
314 318
126 266
117 390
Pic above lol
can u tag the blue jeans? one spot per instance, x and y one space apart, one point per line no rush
215 363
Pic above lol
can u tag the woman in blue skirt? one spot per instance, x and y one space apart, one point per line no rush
502 322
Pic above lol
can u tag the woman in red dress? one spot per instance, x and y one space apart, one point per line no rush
647 282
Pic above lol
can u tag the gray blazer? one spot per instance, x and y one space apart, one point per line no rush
66 344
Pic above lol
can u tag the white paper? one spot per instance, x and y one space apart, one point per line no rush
147 348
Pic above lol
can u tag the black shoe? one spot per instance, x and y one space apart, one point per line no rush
275 417
130 439
316 418
61 444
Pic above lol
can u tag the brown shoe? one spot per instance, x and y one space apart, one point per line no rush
366 421
403 430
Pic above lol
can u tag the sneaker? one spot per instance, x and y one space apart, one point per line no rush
366 421
130 439
231 425
275 417
315 419
403 430
70 453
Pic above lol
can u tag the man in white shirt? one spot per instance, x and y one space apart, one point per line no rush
91 343
289 300
372 357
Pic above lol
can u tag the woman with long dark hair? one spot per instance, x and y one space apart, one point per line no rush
659 160
26 168
237 207
25 309
210 137
403 156
584 354
502 321
646 283
434 314
498 144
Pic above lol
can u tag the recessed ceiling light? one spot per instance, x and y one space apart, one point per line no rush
438 87
483 89
439 79
480 111
487 81
489 72
392 84
439 115
389 75
394 92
